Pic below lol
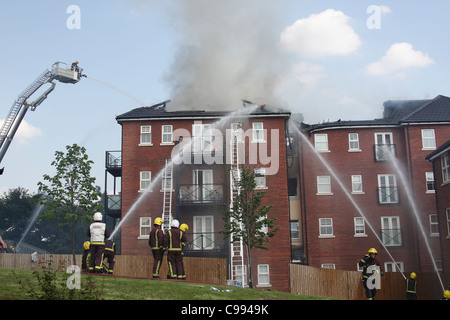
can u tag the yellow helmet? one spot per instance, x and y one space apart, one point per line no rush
158 221
447 294
372 251
184 227
86 245
413 275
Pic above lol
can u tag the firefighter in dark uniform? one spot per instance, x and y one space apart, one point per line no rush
411 285
110 253
86 256
173 240
156 243
182 274
366 263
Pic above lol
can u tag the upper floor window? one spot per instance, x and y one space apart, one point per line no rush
167 134
323 185
360 227
326 227
445 168
353 142
429 176
145 227
260 178
357 184
321 142
434 225
145 180
258 132
146 135
387 189
428 139
384 147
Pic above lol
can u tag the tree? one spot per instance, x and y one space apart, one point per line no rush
71 196
247 219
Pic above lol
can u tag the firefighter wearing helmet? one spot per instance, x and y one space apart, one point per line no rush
371 267
411 287
174 240
97 231
85 258
156 243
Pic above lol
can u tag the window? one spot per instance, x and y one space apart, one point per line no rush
429 177
237 132
360 227
167 134
323 185
384 147
202 181
434 225
393 267
445 168
202 138
145 179
145 227
321 142
390 231
295 230
428 139
146 135
203 238
357 184
387 189
258 132
353 142
326 227
328 266
241 274
263 275
260 178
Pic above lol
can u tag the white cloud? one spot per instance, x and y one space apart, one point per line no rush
308 74
325 34
399 58
25 132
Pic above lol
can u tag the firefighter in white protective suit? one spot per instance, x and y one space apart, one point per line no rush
98 232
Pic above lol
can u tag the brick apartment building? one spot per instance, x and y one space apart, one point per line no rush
318 223
441 166
196 188
337 231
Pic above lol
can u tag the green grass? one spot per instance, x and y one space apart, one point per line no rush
116 288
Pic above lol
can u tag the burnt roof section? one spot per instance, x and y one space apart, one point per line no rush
159 112
399 112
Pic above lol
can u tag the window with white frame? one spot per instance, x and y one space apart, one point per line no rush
260 178
396 266
145 226
326 227
445 168
357 184
328 266
295 229
323 185
321 142
167 134
241 273
434 225
429 177
353 142
263 275
391 234
146 135
145 180
258 132
428 139
387 189
360 227
203 237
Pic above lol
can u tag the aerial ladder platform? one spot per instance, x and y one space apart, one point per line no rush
21 105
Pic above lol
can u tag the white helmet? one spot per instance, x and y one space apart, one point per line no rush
175 223
98 216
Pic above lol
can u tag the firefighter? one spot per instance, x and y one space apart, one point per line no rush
97 231
182 275
86 256
368 263
446 295
110 253
156 243
411 284
173 240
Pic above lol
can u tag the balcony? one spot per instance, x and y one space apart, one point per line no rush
382 152
388 195
205 194
206 244
114 163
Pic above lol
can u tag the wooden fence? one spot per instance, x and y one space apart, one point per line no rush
212 270
347 285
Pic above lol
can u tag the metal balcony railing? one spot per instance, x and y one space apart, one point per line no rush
382 152
392 237
113 159
200 194
114 201
388 195
206 243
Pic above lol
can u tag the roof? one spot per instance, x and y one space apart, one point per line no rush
399 112
159 112
439 151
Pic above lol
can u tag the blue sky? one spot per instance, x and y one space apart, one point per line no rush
319 58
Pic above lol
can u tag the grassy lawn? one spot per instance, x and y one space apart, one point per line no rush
116 288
